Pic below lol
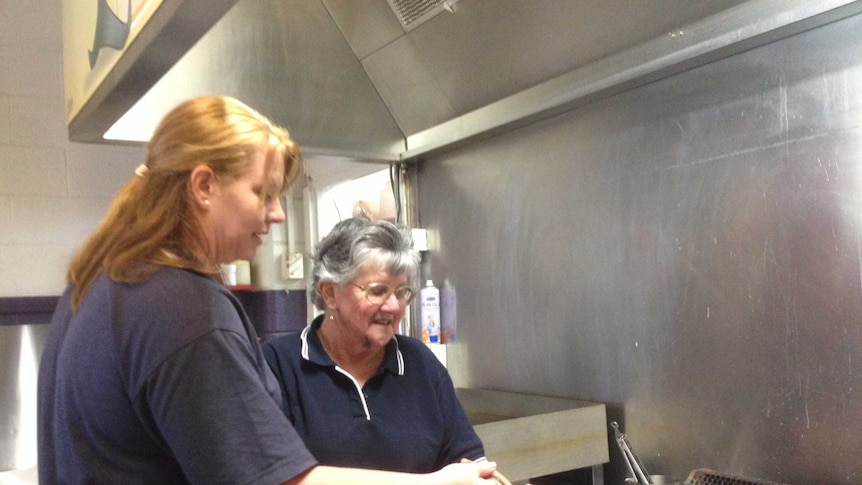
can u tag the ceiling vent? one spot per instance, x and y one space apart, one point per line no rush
412 13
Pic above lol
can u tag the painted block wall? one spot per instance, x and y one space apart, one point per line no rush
52 192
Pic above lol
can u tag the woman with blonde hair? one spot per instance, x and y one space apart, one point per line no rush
152 372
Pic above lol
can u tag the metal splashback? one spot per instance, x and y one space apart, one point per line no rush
349 81
687 253
20 349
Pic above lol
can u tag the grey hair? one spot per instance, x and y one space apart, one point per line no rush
355 244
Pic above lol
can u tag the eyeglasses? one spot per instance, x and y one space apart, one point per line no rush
378 293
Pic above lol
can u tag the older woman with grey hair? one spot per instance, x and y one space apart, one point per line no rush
358 393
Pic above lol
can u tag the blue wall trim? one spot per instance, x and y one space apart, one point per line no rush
272 312
27 310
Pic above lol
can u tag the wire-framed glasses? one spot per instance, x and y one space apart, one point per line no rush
378 293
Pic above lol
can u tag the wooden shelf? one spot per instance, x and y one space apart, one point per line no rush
242 288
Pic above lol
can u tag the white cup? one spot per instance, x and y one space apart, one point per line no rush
229 272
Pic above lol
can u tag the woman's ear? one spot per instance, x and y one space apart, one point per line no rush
327 291
202 181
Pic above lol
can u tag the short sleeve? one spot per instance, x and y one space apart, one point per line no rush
210 404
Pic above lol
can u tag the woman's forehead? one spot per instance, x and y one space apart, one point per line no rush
266 164
378 268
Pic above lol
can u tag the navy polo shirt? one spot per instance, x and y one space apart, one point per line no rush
161 381
406 417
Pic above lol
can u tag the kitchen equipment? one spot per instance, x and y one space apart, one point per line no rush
633 463
663 480
702 476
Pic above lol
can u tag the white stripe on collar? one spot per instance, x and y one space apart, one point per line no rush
304 337
399 357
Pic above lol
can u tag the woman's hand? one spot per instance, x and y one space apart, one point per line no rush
467 473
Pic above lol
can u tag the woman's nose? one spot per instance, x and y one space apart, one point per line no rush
274 212
391 303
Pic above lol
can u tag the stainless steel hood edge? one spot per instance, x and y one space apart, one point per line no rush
178 25
173 29
744 27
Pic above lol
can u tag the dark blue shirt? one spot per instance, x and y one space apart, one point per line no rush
406 417
164 382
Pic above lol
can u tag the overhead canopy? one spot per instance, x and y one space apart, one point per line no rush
353 79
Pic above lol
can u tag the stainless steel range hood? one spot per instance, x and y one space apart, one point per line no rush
350 80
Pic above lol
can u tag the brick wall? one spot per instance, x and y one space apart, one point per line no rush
52 192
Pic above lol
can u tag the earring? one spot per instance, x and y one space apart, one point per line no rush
207 202
331 316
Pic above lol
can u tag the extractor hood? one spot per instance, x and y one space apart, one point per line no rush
349 78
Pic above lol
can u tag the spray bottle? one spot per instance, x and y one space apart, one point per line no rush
429 312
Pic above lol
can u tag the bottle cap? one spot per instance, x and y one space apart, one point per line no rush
429 283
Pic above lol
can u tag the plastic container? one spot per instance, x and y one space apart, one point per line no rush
243 272
429 313
448 315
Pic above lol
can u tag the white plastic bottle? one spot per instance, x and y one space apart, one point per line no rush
429 313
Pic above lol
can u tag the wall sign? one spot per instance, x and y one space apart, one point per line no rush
96 33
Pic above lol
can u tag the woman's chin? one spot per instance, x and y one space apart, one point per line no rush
380 335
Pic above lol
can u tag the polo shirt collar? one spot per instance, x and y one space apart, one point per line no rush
312 349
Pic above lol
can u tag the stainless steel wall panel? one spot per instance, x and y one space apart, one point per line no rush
687 252
20 349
